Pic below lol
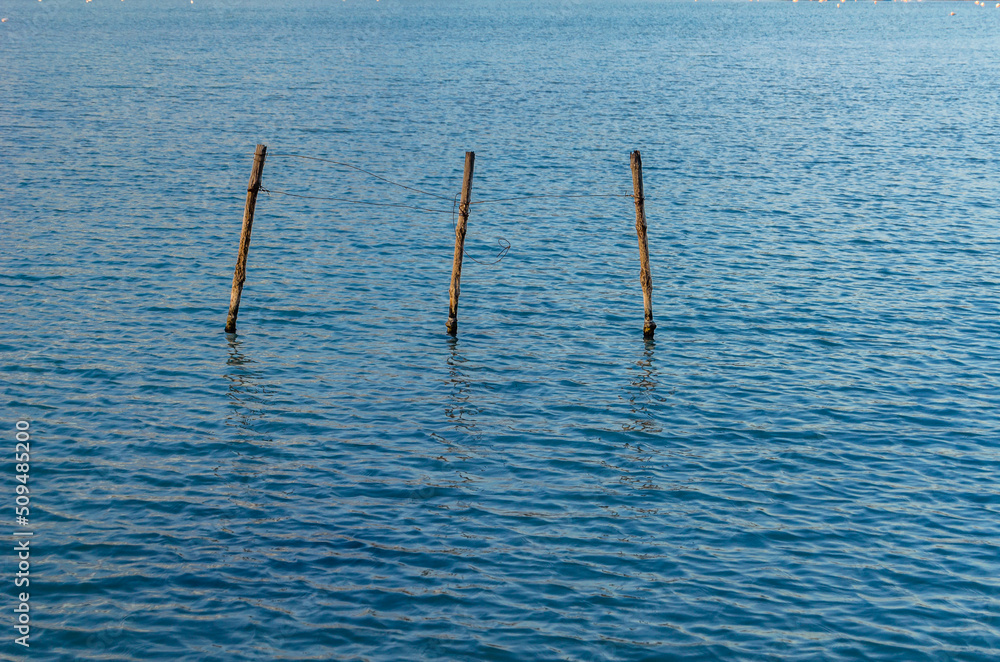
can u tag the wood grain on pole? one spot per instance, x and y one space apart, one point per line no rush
645 277
456 266
240 274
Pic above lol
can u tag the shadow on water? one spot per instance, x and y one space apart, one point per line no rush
642 392
247 394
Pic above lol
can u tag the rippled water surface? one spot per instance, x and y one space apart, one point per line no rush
802 465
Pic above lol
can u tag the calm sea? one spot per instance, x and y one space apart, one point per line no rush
802 466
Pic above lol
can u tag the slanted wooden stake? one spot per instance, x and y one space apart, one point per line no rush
456 266
241 259
645 277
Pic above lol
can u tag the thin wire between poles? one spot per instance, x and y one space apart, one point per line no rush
580 195
501 242
367 172
354 202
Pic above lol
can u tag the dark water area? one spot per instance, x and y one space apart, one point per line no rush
801 466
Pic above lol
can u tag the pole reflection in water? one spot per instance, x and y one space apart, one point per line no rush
247 395
643 384
459 410
243 471
250 459
641 458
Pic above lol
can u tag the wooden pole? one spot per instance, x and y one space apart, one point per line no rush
645 277
240 275
456 266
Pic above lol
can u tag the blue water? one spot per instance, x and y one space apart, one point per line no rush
802 466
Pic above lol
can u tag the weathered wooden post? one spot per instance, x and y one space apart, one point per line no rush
240 275
645 277
456 266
